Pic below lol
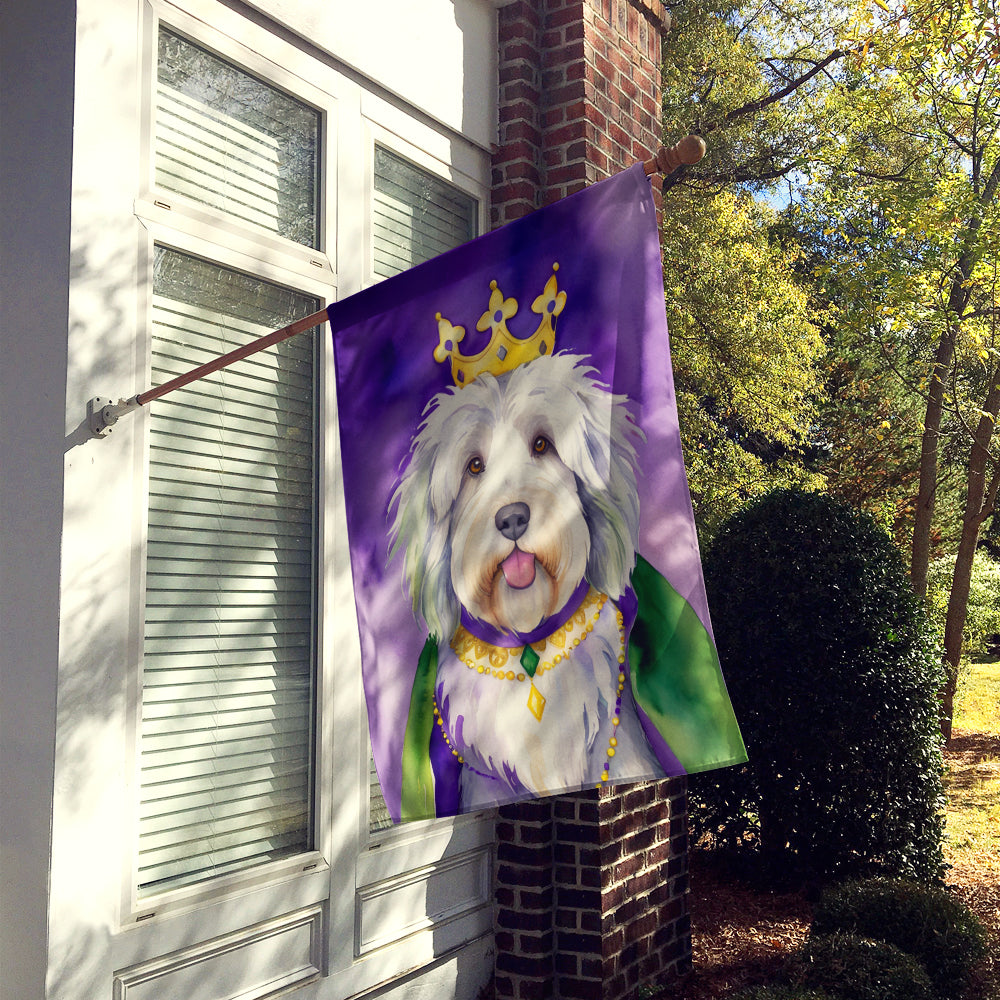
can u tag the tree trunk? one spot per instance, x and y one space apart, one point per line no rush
920 553
980 499
958 299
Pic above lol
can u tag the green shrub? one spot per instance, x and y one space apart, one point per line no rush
926 922
982 619
855 968
833 673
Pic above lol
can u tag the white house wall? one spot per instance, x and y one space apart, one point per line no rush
74 293
398 41
36 110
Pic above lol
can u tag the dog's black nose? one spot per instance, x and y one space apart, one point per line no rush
512 520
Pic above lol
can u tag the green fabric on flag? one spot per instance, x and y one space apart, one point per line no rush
677 678
418 777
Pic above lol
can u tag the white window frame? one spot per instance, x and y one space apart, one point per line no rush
394 858
180 224
351 873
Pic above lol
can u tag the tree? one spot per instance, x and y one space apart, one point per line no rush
746 354
745 75
913 184
866 438
881 119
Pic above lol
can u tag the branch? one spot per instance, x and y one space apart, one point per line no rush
991 311
873 175
743 174
754 106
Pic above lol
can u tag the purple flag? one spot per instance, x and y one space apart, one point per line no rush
526 573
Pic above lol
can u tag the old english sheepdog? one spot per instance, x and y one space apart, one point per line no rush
518 518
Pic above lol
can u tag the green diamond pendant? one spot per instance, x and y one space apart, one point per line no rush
529 660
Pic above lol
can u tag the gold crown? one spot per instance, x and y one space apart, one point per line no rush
504 351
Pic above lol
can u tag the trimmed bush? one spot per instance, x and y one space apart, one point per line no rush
856 968
833 672
925 922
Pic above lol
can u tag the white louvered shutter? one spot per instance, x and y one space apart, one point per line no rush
416 217
228 674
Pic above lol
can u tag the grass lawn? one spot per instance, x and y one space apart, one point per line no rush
973 811
974 770
978 699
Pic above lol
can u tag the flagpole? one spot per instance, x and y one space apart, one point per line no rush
103 413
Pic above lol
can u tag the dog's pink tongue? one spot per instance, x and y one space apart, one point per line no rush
519 569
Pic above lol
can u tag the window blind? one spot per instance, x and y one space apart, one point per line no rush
228 655
228 140
416 216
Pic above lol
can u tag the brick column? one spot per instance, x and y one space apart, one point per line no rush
591 889
579 96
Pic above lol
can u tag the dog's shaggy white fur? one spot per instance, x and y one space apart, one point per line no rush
517 488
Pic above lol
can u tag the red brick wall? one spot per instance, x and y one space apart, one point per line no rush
591 893
579 96
591 889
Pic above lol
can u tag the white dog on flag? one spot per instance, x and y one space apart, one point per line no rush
518 518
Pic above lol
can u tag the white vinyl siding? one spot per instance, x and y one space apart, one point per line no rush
228 664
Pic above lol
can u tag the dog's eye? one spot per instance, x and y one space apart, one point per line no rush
541 445
476 466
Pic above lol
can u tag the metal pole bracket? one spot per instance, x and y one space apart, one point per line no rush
103 413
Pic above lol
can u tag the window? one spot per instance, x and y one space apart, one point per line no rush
229 646
416 216
210 831
228 679
228 140
250 806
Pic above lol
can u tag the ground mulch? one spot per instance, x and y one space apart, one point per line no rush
742 934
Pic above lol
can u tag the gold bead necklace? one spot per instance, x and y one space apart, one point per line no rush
537 657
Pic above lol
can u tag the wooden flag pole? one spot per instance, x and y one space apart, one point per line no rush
260 344
103 413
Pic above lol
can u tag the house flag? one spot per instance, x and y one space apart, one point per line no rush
526 575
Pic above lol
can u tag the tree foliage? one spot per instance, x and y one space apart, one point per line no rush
878 121
747 357
982 620
910 188
746 346
746 76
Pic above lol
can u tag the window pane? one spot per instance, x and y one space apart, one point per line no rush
228 140
416 216
228 658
